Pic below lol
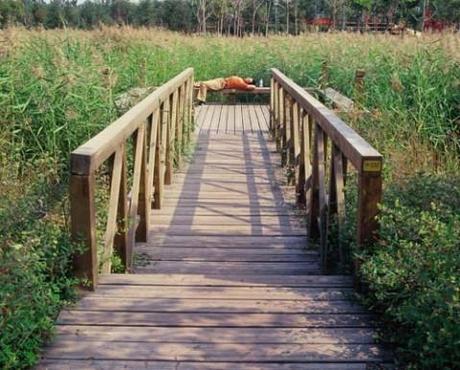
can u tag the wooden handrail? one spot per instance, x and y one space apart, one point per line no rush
301 126
160 127
91 154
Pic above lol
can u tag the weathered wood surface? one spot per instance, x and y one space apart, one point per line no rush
232 119
225 281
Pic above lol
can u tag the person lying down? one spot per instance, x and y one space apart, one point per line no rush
217 84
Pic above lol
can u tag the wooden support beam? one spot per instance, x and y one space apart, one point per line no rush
83 223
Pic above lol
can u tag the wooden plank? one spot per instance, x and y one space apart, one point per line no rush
266 112
229 241
217 335
172 319
210 255
200 115
332 281
244 268
207 119
223 120
254 212
199 229
227 202
252 117
229 306
62 364
217 188
268 220
238 120
214 127
231 120
216 352
226 292
263 124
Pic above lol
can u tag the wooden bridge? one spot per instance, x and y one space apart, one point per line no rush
219 274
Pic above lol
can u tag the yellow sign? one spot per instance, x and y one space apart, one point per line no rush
372 166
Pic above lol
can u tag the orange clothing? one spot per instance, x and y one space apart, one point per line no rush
217 84
237 83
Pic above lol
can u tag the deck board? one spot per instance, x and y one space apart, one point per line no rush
226 280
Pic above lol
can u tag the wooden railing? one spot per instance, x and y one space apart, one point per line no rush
301 127
159 128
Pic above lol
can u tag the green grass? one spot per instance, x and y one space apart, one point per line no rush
57 89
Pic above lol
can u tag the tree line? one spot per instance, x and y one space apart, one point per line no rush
232 17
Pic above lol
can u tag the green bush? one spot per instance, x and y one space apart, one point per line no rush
34 285
35 252
413 273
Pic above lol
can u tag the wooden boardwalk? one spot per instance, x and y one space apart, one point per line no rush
226 281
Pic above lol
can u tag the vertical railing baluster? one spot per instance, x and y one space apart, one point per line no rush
322 196
285 140
120 244
153 154
144 201
280 122
272 104
313 210
276 110
295 142
190 123
116 169
171 129
185 123
179 124
160 156
336 207
304 167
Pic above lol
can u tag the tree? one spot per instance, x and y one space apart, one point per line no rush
255 6
447 9
202 13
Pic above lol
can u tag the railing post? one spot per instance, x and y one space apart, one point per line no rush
83 227
359 84
324 77
370 195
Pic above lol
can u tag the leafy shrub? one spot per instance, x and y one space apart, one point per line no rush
34 284
35 266
413 273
